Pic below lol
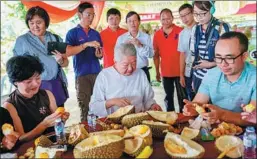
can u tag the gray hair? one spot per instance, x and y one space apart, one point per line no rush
124 49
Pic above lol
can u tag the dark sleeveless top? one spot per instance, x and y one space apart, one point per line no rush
31 111
4 118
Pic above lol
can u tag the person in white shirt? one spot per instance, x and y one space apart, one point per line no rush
186 61
139 39
122 84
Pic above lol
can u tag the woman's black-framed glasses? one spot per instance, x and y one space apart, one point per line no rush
201 15
230 60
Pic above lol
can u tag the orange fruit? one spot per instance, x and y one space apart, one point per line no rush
60 110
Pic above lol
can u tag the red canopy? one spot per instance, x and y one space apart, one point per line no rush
249 8
64 10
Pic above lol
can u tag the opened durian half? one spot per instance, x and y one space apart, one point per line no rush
100 146
134 147
227 141
144 132
158 128
192 134
134 119
77 134
118 132
178 146
43 141
120 113
167 117
44 152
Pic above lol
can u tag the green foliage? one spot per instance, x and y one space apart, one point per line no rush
19 11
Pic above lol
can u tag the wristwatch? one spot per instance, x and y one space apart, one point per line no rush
61 62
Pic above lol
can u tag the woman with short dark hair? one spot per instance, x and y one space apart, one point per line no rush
31 108
203 39
35 43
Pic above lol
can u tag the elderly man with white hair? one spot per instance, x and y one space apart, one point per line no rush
122 84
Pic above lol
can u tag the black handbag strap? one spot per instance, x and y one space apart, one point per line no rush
56 37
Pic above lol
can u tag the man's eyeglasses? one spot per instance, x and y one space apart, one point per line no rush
183 16
89 14
230 60
201 15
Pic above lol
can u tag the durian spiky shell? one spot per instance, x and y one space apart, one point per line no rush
117 120
134 119
43 141
84 134
118 132
139 150
157 130
166 117
191 143
110 150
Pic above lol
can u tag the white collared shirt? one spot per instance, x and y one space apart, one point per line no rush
143 53
110 84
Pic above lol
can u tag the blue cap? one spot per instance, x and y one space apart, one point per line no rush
250 129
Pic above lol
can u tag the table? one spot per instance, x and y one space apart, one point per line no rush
158 146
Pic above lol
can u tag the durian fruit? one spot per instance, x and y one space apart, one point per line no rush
43 141
77 134
158 128
199 109
118 132
178 146
44 152
192 134
144 132
60 110
120 113
250 108
134 119
227 141
43 155
167 117
7 129
100 146
134 147
146 153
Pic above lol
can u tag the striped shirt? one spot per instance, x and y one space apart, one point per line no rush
199 41
203 54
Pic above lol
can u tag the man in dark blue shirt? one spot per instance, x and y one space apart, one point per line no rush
84 44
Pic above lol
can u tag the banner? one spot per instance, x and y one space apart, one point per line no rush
149 16
63 10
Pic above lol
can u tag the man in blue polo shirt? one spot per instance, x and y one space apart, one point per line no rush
83 44
229 85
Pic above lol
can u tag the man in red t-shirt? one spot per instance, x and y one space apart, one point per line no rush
110 34
165 43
